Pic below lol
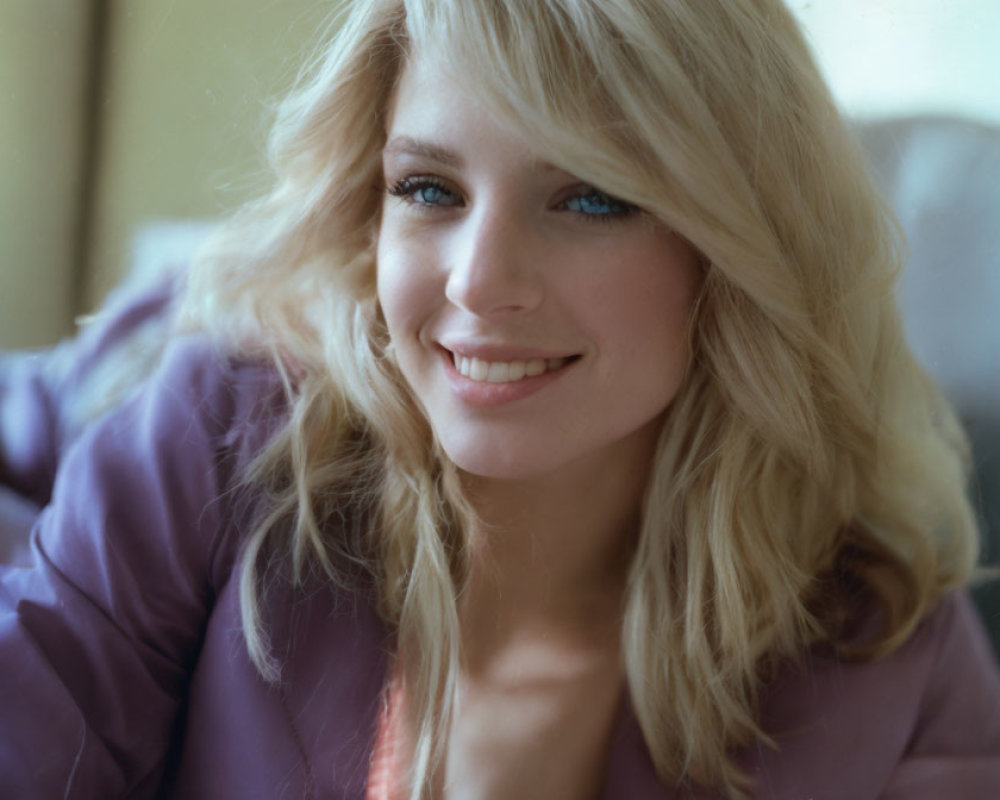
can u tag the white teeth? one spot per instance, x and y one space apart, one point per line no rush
504 371
498 372
478 370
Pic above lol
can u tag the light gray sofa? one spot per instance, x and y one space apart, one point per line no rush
942 177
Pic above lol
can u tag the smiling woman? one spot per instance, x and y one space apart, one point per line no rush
549 433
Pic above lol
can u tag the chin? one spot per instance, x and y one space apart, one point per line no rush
499 463
499 469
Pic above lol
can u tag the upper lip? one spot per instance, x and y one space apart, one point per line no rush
501 351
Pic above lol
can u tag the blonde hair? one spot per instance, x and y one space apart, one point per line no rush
807 472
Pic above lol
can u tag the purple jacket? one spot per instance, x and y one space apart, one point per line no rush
124 673
47 397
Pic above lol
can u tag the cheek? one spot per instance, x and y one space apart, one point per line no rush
643 311
386 278
398 286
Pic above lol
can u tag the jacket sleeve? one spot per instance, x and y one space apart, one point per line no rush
955 748
98 636
28 447
47 397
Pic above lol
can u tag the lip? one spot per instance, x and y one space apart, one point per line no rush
482 394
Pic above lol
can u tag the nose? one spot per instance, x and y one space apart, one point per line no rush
494 264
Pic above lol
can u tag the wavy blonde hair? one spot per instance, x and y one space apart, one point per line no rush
808 468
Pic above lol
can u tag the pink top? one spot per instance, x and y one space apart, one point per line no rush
386 770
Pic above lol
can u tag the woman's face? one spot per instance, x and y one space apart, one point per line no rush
539 322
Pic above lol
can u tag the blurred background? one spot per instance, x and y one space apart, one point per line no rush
119 115
115 114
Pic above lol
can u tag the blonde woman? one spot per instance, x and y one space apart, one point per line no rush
553 436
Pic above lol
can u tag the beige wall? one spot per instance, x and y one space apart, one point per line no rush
182 118
187 88
43 59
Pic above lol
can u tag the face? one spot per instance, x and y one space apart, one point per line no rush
540 323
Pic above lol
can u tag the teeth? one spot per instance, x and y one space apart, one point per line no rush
478 370
504 371
498 372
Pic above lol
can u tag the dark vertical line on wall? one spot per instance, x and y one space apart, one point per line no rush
95 93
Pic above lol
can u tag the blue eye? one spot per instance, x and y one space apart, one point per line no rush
595 203
424 192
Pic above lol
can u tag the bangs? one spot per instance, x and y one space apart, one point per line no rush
560 73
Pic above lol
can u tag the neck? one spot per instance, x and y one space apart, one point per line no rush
552 552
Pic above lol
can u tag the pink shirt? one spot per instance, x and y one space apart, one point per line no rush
387 765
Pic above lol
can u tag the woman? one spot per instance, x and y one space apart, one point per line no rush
571 449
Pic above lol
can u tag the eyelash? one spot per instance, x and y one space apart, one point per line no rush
407 188
618 209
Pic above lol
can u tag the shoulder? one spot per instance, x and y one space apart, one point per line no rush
157 476
201 399
960 697
202 391
100 635
953 746
848 729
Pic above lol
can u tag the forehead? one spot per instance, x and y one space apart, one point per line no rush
423 84
432 114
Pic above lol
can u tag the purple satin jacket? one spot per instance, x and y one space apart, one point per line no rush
123 672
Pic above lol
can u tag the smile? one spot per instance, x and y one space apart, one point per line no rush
482 371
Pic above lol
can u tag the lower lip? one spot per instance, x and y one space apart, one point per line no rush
484 393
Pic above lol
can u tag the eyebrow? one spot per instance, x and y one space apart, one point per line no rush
421 148
408 146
